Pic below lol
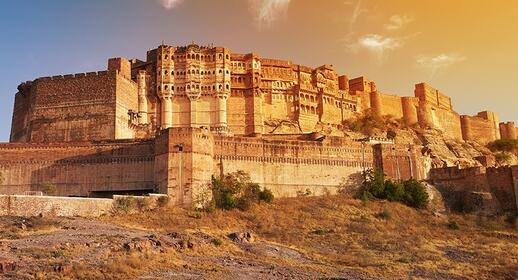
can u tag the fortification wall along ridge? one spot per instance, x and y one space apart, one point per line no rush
181 161
202 111
501 182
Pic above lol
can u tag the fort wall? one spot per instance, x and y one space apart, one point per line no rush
77 169
508 130
482 128
291 166
501 182
30 206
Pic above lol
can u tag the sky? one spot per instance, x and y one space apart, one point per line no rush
468 49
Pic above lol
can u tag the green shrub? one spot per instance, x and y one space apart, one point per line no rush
507 145
410 192
236 190
415 194
266 195
163 201
48 188
124 204
384 215
502 157
394 191
453 225
511 218
217 242
143 203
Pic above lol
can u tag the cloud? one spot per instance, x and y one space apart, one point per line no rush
439 62
377 45
357 11
397 21
170 4
266 12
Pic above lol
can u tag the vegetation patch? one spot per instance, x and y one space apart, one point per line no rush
236 190
507 145
410 192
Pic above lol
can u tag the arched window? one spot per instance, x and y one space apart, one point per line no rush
188 86
166 56
227 86
220 56
213 87
197 57
226 56
220 71
172 73
220 87
197 71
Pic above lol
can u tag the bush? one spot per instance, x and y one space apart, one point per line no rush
124 204
507 145
266 195
236 190
410 192
217 242
511 218
143 203
415 194
163 201
369 123
48 188
384 215
502 157
453 225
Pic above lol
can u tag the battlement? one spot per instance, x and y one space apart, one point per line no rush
73 76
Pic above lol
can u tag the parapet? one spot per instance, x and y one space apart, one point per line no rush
120 64
360 84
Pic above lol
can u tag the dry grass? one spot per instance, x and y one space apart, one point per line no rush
337 231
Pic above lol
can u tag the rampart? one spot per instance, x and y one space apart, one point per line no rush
501 182
180 162
77 169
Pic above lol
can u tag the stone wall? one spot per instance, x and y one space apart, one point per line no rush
77 169
482 128
290 166
501 182
29 206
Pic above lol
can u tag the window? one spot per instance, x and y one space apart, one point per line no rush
220 56
226 56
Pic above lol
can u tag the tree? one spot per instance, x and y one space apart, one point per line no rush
48 188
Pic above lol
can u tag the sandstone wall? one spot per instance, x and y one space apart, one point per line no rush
126 99
69 108
502 182
508 130
400 162
287 167
77 169
479 129
29 206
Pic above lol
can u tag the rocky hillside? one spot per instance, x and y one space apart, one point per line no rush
299 238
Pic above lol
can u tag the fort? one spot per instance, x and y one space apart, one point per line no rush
168 124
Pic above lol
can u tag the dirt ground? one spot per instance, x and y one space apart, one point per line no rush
332 237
